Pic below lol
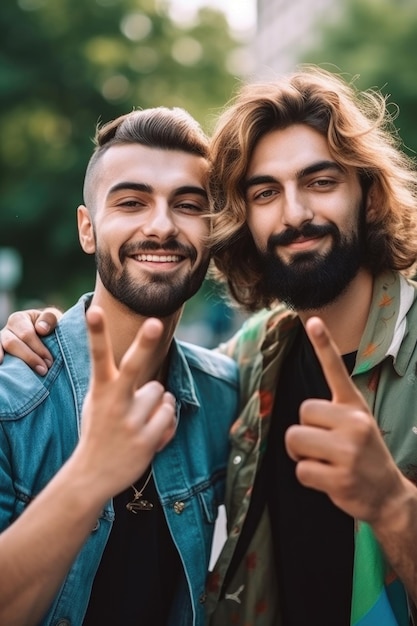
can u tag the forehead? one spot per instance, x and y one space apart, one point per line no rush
163 170
288 150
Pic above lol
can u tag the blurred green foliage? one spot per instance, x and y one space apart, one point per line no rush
65 65
376 42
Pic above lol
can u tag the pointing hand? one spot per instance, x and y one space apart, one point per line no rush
337 444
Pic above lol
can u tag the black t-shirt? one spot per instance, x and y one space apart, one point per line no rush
140 568
313 540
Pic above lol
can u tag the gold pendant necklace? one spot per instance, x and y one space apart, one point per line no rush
139 503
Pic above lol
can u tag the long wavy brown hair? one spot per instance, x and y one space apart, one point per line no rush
359 127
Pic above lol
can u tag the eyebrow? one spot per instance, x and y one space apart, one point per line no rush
126 186
318 167
190 189
306 171
145 188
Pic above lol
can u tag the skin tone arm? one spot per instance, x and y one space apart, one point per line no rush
339 450
122 429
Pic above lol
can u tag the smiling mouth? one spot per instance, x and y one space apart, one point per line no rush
303 241
159 258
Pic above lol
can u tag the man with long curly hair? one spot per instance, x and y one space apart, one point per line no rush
316 217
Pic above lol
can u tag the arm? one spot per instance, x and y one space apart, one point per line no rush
339 450
20 337
122 430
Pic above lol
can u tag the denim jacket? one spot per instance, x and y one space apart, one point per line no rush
39 429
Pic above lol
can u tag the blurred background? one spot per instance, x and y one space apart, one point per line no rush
66 65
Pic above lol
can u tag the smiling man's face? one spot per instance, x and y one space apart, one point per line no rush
146 227
306 214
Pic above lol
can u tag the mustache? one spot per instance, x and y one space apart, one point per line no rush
307 230
171 245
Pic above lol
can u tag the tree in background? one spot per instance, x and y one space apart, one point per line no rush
66 65
375 40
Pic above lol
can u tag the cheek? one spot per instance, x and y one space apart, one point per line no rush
114 232
261 226
350 223
197 236
110 240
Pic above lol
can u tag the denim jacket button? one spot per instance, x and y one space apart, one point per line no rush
202 598
63 622
96 526
179 507
237 459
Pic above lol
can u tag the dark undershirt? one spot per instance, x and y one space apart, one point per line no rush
140 568
312 538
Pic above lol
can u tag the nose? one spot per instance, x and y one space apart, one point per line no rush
296 209
160 222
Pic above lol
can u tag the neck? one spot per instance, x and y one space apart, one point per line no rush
346 317
123 326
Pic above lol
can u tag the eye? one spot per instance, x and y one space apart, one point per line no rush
130 203
267 193
323 183
187 206
264 194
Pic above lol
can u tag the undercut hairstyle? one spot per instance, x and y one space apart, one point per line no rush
159 127
360 132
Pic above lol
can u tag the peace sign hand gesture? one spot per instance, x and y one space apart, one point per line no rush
123 426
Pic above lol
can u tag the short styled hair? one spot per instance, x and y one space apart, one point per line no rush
360 133
158 127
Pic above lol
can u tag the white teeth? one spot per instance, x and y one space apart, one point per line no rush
157 258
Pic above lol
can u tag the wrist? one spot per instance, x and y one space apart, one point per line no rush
399 512
84 483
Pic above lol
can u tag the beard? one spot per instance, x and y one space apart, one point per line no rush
312 280
163 293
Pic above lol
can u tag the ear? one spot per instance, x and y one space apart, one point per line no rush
85 230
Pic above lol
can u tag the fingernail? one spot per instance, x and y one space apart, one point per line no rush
44 325
48 363
41 370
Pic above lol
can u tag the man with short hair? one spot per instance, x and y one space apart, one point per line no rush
145 219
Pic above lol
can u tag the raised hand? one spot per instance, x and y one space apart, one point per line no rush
20 337
337 445
122 426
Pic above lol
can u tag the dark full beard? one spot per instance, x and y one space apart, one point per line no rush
160 296
312 280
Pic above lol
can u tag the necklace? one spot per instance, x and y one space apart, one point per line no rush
139 503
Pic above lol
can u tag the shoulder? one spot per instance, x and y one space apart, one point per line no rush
260 331
211 363
22 389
